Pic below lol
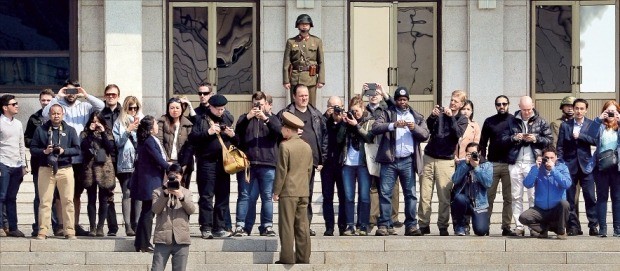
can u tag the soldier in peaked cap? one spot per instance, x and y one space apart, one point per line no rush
291 190
303 59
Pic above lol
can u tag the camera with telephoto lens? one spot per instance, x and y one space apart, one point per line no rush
474 156
173 183
338 110
56 149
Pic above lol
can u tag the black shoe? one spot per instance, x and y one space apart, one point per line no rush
443 232
425 230
572 232
312 232
341 231
413 231
381 231
543 235
111 233
79 231
508 232
329 232
593 232
398 224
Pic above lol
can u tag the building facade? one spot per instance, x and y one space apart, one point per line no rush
155 49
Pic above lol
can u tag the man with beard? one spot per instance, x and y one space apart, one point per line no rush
528 134
497 154
399 153
574 149
211 178
303 60
76 114
313 133
446 126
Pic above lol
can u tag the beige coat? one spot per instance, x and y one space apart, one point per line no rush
294 168
172 221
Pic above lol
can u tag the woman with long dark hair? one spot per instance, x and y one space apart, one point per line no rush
97 144
607 136
126 140
151 166
173 133
472 133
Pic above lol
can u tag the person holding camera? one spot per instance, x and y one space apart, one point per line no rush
446 125
472 178
402 130
55 142
259 134
527 134
172 205
606 166
97 144
331 174
151 166
76 114
550 179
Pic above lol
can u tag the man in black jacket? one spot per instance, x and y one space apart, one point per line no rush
331 174
110 113
399 153
492 131
55 142
258 132
34 122
211 178
528 134
446 126
313 133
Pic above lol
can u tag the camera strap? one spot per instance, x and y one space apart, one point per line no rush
50 132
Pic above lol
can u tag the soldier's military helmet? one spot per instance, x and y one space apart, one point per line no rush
568 100
304 19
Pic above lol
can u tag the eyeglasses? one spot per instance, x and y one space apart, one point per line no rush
133 108
111 95
13 104
501 104
204 93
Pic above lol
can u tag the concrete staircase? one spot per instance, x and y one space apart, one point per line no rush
328 253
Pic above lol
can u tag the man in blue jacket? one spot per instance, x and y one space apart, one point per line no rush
550 179
472 179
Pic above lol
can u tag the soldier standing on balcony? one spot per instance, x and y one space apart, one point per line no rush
303 59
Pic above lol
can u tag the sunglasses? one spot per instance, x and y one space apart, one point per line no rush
501 104
204 93
13 104
111 95
133 108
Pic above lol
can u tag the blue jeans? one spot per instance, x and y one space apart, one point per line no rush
349 176
461 207
606 182
261 183
404 170
10 181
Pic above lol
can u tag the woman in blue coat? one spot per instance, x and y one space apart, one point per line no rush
149 174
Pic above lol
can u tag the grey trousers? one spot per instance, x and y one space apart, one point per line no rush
162 252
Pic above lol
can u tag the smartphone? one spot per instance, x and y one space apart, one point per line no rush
370 92
257 105
372 86
69 91
349 115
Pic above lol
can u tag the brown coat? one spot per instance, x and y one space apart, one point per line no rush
294 168
172 220
95 173
166 134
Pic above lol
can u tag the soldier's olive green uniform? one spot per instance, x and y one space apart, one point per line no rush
291 185
299 56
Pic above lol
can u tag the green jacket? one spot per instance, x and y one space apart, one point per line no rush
302 53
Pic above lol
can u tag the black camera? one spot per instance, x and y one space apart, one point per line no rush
338 110
544 160
223 126
173 183
610 114
350 115
71 91
474 156
56 149
441 109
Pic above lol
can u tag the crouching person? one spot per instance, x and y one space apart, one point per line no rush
172 205
550 179
472 177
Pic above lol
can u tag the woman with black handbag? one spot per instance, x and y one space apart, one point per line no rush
605 167
97 143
